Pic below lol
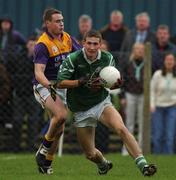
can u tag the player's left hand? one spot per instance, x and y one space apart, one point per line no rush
95 83
118 84
52 89
83 81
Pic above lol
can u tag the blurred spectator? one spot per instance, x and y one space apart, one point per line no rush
26 110
104 45
141 33
85 25
8 36
38 31
11 44
161 46
163 107
133 89
115 31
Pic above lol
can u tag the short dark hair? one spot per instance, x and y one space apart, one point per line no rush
163 27
47 16
92 33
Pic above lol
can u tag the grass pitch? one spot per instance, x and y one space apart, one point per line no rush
76 167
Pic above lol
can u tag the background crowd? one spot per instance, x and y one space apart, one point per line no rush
18 106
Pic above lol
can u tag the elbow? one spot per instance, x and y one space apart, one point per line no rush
37 76
67 84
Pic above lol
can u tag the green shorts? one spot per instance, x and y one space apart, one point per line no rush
90 117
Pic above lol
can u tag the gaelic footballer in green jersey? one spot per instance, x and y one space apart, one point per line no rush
90 102
76 66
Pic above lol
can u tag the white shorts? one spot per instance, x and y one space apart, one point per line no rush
91 116
41 93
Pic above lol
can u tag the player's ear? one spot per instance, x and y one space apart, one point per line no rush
83 42
47 22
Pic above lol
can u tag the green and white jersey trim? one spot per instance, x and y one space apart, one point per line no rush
90 61
70 62
111 63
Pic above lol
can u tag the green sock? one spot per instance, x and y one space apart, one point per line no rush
140 162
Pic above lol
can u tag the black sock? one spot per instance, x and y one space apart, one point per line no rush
48 162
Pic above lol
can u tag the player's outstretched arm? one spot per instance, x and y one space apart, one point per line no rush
68 84
94 83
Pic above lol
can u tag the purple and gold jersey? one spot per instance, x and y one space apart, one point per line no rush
51 52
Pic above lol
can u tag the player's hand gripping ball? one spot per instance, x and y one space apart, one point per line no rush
109 76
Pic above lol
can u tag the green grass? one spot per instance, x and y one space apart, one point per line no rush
76 167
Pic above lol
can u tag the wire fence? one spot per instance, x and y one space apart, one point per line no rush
22 120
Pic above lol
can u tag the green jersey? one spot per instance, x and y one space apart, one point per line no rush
76 66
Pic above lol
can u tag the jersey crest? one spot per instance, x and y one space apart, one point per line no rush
55 49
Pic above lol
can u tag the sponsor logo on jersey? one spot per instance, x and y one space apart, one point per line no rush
81 66
54 49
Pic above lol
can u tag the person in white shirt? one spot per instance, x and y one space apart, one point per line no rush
163 107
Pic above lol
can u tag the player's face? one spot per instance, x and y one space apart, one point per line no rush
92 45
56 25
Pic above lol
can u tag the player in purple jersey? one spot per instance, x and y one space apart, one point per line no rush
51 49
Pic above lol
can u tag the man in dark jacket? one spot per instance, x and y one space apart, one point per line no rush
115 31
161 46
